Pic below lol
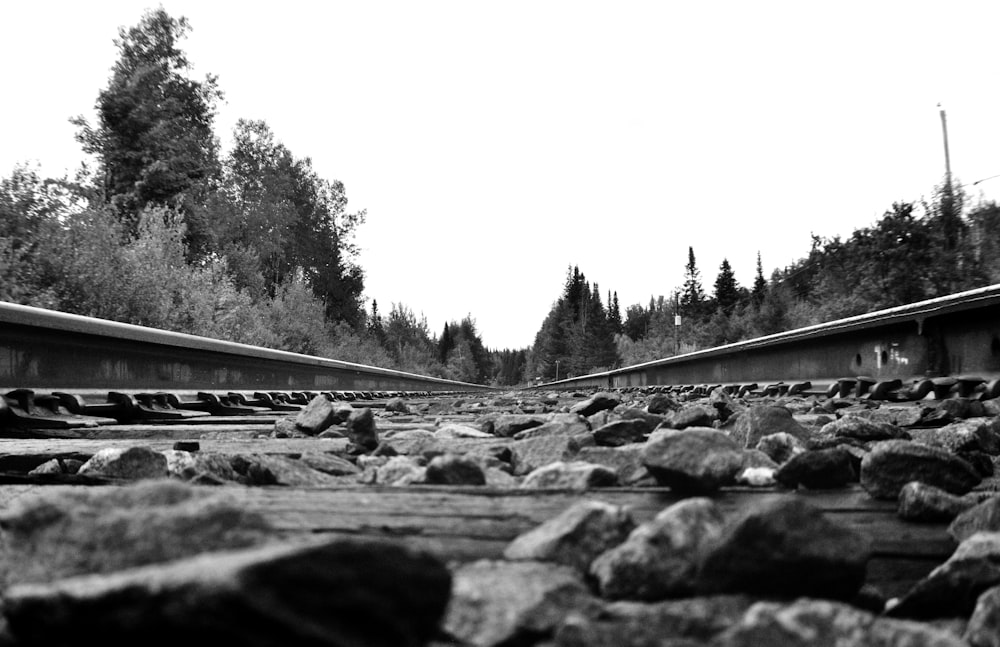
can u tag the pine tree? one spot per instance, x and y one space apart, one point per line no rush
614 313
727 291
446 344
692 294
759 283
375 327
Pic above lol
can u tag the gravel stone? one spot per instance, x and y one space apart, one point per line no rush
891 464
696 460
575 536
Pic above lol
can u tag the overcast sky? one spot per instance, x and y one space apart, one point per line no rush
495 144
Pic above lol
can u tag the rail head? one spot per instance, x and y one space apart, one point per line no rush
917 312
12 315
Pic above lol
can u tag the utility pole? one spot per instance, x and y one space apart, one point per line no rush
677 324
947 158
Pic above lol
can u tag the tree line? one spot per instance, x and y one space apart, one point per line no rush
166 230
915 251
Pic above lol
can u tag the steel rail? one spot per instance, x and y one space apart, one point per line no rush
955 335
44 349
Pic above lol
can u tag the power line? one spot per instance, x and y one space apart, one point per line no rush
982 180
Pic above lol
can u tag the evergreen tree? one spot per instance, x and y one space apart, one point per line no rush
468 335
727 291
759 283
636 324
692 294
614 314
375 327
949 230
445 344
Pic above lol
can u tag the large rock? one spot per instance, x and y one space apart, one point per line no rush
595 403
398 471
818 469
984 625
322 412
808 623
952 588
329 464
785 547
751 425
451 469
410 441
360 429
864 429
690 415
780 446
397 405
272 469
531 453
982 517
724 404
921 502
625 461
561 424
891 464
510 603
660 558
681 623
197 465
574 537
651 420
961 408
661 403
335 593
974 434
697 460
454 430
570 475
621 432
509 424
131 464
99 530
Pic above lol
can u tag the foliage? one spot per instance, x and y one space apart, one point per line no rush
577 336
692 294
510 366
759 290
279 218
727 290
911 253
153 139
254 248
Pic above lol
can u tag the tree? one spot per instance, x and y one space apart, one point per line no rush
692 294
636 322
153 138
577 335
984 226
614 314
727 290
445 344
954 266
759 284
280 218
375 327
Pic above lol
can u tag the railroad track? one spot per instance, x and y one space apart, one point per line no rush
945 346
74 387
59 370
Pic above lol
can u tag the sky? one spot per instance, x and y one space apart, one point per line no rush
495 144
